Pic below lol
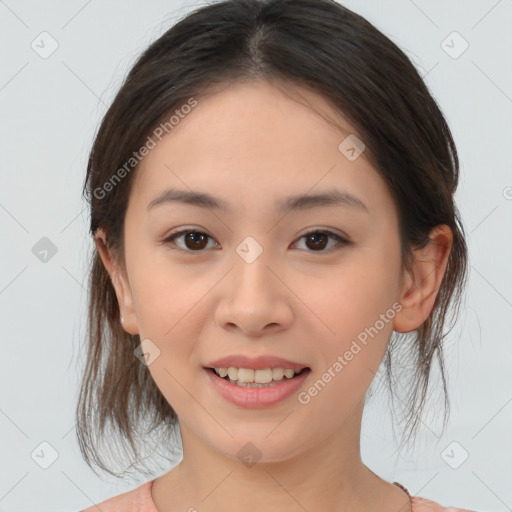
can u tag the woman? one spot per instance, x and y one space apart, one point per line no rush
272 205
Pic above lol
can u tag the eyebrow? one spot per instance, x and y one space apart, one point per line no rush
332 197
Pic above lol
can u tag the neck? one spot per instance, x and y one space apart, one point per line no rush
318 476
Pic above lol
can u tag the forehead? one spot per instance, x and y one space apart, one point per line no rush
255 142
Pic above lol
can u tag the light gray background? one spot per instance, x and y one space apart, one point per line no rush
49 111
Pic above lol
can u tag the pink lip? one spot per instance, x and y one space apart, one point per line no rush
254 398
255 363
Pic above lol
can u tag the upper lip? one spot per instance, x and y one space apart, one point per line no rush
255 363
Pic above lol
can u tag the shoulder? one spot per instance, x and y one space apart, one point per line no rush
425 505
136 500
420 504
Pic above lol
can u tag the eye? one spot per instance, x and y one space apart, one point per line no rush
319 240
196 241
193 240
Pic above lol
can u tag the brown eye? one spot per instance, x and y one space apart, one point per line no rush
193 241
197 241
318 240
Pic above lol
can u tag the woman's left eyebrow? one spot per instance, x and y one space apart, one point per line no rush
333 197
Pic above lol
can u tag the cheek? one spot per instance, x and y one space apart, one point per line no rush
170 310
355 307
164 294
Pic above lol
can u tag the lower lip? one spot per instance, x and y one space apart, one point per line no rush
257 397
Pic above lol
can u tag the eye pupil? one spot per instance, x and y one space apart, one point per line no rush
315 237
191 236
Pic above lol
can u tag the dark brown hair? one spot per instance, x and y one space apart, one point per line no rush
318 44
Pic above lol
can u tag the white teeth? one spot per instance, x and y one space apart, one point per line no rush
222 371
277 374
248 375
289 373
245 375
233 373
263 376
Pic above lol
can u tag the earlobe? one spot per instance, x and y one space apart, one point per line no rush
422 282
119 282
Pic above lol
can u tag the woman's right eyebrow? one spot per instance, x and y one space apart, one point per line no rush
328 198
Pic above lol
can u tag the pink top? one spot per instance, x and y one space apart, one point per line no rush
139 500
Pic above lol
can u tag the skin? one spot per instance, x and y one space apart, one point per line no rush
252 144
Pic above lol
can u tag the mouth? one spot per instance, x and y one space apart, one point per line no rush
260 378
256 389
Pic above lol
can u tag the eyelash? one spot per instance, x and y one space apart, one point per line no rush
341 241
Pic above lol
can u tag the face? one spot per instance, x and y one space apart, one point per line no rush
247 279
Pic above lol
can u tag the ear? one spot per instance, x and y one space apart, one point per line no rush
119 282
421 283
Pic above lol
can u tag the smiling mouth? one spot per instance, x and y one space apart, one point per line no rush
257 378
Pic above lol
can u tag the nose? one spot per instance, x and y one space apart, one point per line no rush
255 298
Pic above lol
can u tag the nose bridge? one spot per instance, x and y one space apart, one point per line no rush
252 277
253 296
